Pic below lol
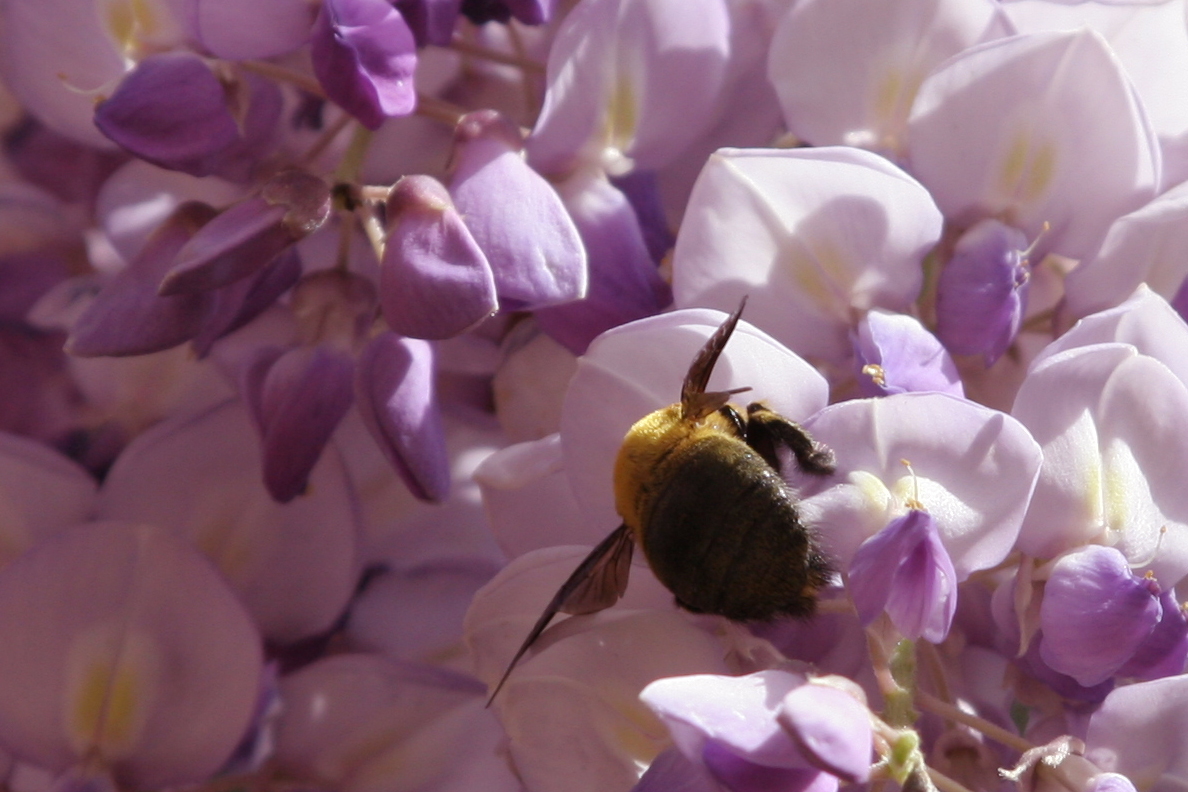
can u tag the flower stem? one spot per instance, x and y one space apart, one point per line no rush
447 113
283 74
930 703
944 783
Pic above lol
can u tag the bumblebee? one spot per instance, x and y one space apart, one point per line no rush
699 488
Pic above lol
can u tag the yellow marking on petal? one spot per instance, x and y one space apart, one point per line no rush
873 490
1027 169
822 272
888 95
1094 490
130 22
110 685
622 115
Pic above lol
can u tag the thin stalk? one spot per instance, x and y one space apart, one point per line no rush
436 109
284 74
930 703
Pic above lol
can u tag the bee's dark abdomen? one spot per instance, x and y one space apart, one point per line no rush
722 533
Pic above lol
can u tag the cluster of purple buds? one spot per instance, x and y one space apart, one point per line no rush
322 325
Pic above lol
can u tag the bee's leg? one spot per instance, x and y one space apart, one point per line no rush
768 430
595 585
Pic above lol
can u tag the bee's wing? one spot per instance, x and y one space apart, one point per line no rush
695 402
597 583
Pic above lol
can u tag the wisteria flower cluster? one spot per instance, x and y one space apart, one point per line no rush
322 323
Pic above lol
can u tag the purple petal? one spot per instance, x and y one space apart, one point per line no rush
1165 651
306 393
515 216
1138 732
116 606
174 112
832 730
1179 300
846 71
170 110
1064 685
71 172
976 470
365 57
1095 614
672 772
982 293
25 278
624 283
739 775
1112 782
905 355
816 237
435 283
905 570
736 713
128 316
647 114
398 404
1085 154
248 236
643 192
242 301
239 30
294 565
431 21
234 245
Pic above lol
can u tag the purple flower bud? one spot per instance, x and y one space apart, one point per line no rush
1096 614
434 281
643 191
982 293
364 57
249 235
235 305
63 167
896 354
127 316
831 728
766 730
397 401
670 771
297 398
905 570
174 112
624 282
1179 301
431 21
1165 652
515 216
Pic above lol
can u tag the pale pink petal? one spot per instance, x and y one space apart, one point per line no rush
972 468
847 72
124 609
814 236
1042 128
199 476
